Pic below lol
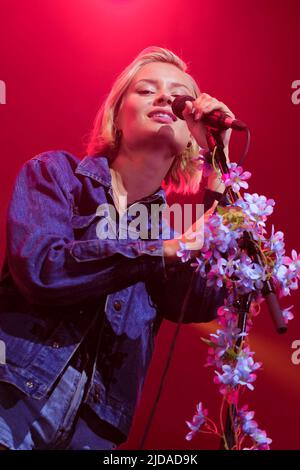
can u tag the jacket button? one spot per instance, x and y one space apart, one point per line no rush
152 248
117 305
29 384
55 345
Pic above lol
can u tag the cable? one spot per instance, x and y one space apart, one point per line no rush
168 362
246 149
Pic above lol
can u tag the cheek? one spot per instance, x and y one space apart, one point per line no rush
131 111
130 118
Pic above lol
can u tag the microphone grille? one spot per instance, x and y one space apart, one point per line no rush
178 105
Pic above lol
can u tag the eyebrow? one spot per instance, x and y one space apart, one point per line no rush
155 82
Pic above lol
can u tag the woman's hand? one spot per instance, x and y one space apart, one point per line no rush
192 238
193 112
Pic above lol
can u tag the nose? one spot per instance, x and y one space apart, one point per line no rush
163 98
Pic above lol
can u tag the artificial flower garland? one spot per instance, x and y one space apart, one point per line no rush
223 261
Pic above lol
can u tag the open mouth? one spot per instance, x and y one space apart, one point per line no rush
161 116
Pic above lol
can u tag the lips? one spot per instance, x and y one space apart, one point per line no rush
163 114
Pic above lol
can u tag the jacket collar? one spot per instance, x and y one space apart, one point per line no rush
97 168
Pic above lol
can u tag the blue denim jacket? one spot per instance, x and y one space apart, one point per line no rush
58 275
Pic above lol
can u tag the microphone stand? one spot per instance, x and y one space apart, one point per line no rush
243 302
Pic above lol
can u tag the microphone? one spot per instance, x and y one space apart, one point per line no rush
216 119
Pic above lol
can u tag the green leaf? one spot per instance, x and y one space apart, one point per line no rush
209 342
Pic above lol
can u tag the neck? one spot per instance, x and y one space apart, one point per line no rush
141 171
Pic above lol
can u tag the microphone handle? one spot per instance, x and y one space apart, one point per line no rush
217 119
220 121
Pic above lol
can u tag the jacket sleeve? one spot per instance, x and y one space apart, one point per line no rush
169 295
47 264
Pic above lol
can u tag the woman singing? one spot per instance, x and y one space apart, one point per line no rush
80 303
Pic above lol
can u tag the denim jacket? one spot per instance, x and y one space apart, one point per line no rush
58 277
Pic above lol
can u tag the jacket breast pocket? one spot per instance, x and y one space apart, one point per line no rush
84 226
102 224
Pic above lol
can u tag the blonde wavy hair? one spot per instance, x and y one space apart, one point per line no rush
184 175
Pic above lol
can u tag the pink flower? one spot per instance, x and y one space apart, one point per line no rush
197 421
287 314
293 263
236 177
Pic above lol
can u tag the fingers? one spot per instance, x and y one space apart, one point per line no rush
188 110
204 104
191 113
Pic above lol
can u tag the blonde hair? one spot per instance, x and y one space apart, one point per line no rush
184 175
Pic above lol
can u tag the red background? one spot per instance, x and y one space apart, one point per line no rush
58 60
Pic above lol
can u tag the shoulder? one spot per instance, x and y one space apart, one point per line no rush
54 164
66 168
56 159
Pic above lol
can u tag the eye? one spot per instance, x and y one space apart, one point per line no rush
144 92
